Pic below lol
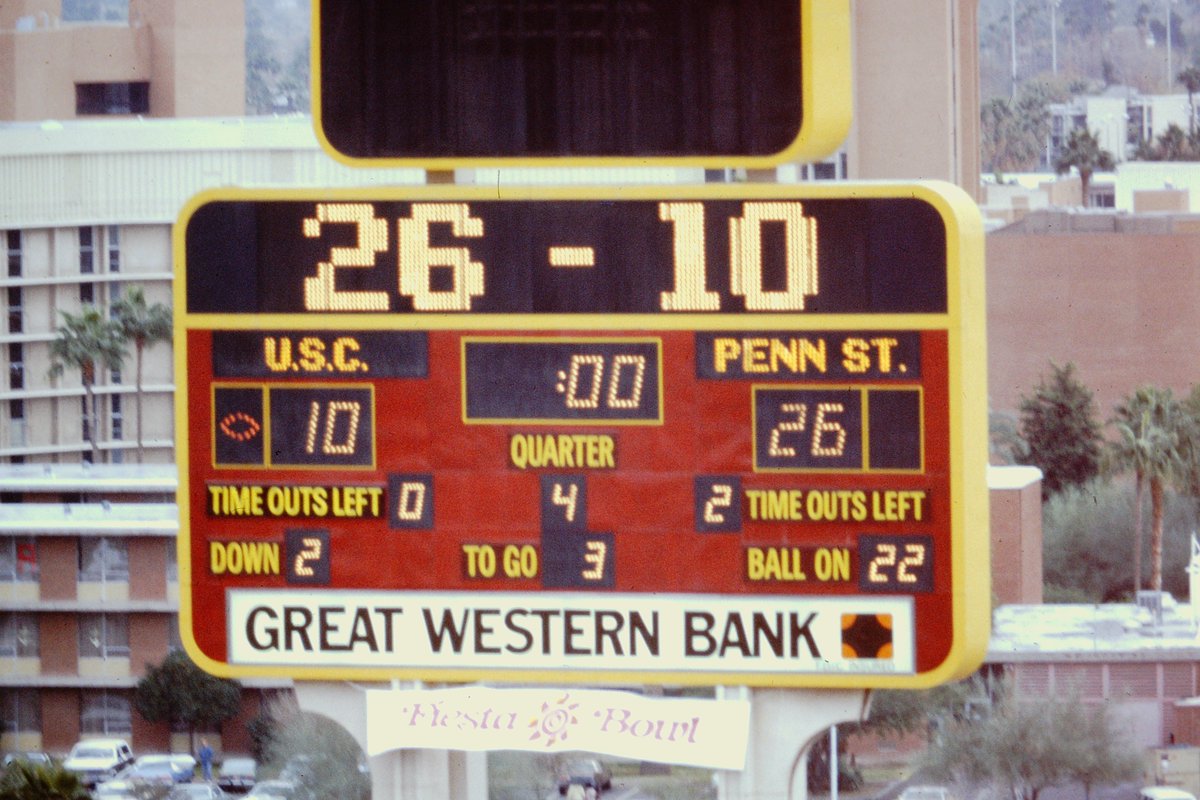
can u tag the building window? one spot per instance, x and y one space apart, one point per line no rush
16 318
87 251
112 98
87 293
173 641
115 402
103 636
18 636
18 559
16 365
103 560
114 248
20 711
13 239
16 409
105 712
85 422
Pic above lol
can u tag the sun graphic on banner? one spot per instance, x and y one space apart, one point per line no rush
554 721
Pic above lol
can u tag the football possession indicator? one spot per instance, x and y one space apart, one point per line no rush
449 83
710 435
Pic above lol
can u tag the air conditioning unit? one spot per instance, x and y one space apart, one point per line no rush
1152 602
17 433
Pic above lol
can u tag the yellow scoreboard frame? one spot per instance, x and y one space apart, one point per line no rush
822 86
889 505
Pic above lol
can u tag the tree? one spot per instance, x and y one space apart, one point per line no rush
1014 130
315 751
178 691
87 342
1083 154
24 780
1087 543
1149 424
144 325
1061 431
1026 747
1189 480
1190 78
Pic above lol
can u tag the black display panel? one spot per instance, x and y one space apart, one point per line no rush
561 381
496 78
819 256
344 354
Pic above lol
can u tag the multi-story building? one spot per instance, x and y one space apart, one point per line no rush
89 595
87 212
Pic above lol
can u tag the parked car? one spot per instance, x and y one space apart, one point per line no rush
160 768
585 771
29 756
116 790
277 790
237 774
97 760
1165 793
925 793
204 790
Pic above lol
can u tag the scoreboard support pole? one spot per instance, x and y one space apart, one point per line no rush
783 724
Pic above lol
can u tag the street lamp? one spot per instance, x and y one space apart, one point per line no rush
1054 36
1170 72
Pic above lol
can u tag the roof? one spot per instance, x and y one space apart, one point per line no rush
1102 632
83 477
73 519
1012 477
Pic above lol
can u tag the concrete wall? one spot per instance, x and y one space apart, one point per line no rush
916 92
1015 499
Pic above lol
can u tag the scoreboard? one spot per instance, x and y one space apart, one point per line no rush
696 435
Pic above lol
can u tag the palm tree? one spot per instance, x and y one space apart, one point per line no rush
1149 423
1190 78
1084 154
88 342
143 324
26 781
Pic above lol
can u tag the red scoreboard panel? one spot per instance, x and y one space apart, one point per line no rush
715 434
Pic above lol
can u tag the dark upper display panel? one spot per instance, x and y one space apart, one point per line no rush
503 78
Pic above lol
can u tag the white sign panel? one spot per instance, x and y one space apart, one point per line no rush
705 733
556 631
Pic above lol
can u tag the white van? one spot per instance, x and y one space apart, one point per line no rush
96 760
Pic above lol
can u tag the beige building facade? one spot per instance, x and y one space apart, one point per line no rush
168 58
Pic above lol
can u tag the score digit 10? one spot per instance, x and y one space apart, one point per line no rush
307 426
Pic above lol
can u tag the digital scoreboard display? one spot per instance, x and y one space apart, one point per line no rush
701 435
456 82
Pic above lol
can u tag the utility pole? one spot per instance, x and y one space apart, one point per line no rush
1012 41
1054 37
1170 72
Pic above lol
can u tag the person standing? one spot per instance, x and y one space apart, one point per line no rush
206 759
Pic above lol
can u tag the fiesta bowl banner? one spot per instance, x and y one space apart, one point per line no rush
703 733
